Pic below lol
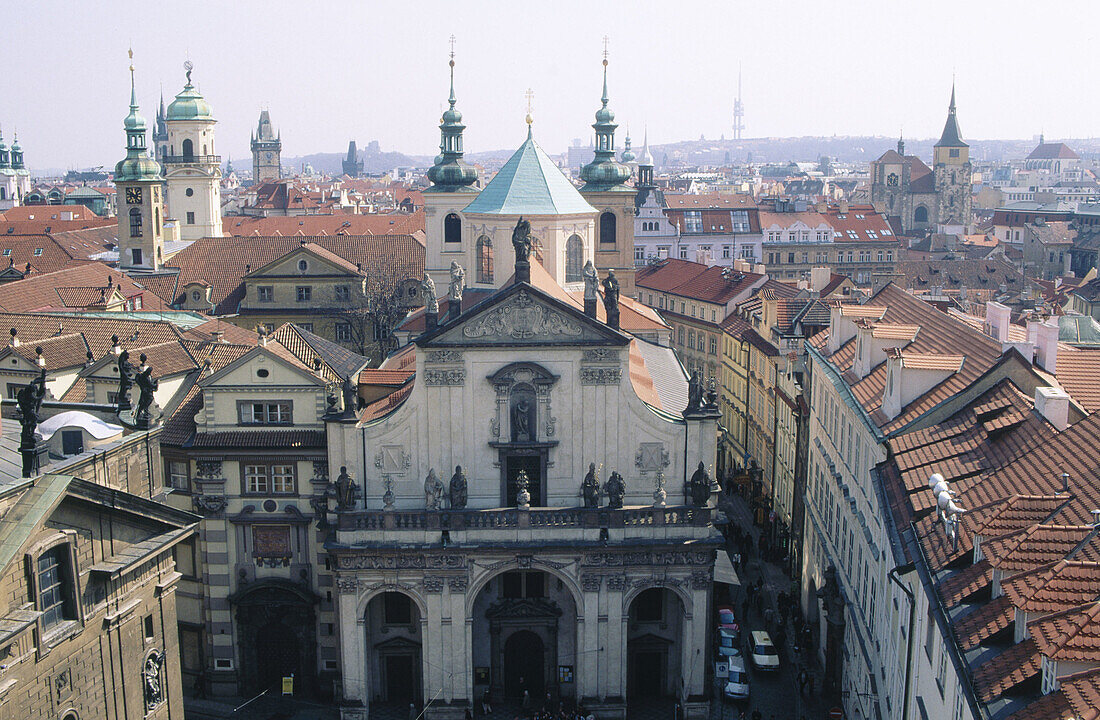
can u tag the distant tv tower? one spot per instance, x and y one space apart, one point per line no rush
738 109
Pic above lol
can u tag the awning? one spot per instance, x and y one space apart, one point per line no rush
723 569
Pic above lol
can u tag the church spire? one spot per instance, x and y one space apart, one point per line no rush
604 172
137 165
951 136
450 172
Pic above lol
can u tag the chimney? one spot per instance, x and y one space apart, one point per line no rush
821 207
911 375
1053 404
219 336
14 338
1046 344
997 317
819 278
842 207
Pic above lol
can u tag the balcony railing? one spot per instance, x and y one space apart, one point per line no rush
507 518
192 159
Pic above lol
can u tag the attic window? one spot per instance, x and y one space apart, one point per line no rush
303 266
262 372
37 252
7 252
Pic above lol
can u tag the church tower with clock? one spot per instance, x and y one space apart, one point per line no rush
138 181
192 167
266 151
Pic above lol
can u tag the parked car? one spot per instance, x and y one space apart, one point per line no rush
727 643
737 683
764 654
726 616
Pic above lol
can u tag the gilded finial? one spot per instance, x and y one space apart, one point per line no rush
530 95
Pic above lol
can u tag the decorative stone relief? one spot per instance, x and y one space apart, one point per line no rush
320 471
209 469
700 580
347 585
600 355
651 456
433 584
393 460
591 583
63 684
443 356
152 683
458 584
643 557
520 318
601 375
456 376
401 562
616 583
209 505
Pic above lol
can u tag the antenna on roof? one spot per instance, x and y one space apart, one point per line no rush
1065 481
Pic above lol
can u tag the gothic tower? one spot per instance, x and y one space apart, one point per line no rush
138 183
452 178
266 150
952 173
605 188
160 134
192 167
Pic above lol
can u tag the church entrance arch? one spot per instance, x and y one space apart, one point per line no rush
654 645
276 624
394 639
524 628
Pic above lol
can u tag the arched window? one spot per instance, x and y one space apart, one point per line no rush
188 148
920 215
3 193
135 222
484 259
574 259
156 221
452 229
607 228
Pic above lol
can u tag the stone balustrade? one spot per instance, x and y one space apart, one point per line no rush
515 518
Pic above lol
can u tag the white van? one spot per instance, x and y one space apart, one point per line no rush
737 684
764 654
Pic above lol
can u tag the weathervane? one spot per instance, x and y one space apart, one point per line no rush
530 95
606 40
452 41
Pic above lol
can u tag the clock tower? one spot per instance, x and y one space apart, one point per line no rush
140 213
266 150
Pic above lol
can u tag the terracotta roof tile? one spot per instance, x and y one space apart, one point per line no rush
1071 635
1078 371
984 622
396 223
1052 588
1082 690
1007 670
281 439
1048 707
962 585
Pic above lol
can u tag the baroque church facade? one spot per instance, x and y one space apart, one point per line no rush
920 198
532 512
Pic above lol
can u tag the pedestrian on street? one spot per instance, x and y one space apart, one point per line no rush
802 678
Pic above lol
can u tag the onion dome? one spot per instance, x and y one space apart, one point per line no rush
450 173
137 166
604 173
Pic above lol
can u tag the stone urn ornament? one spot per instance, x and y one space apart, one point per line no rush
659 495
387 497
523 497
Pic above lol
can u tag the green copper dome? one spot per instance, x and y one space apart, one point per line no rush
137 166
627 155
189 104
450 173
604 173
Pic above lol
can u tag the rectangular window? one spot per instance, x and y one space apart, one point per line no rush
55 592
305 293
274 479
184 555
178 475
519 584
265 293
148 628
713 346
72 442
343 332
308 327
190 218
265 413
343 293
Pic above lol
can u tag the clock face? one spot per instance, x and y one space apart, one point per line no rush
892 180
133 196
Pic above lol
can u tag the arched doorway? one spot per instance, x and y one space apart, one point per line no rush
524 656
524 630
394 637
277 628
654 645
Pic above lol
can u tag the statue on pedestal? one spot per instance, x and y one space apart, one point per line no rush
125 381
521 240
345 490
591 281
147 385
590 487
699 487
523 497
29 400
458 282
433 491
616 490
427 289
695 393
458 489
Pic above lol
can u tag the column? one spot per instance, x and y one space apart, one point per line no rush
353 640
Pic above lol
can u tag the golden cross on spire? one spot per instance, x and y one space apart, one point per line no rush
452 41
606 40
530 95
131 53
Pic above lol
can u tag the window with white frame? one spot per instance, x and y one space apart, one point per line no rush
269 479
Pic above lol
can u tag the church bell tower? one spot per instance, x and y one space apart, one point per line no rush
192 167
952 173
138 182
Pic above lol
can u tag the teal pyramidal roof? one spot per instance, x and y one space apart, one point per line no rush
530 184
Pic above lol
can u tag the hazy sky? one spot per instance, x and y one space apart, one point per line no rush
330 72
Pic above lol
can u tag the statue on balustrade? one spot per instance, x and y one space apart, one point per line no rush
433 491
345 490
147 385
590 487
699 486
695 393
125 380
616 490
458 489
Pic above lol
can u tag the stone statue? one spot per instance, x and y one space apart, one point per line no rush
832 597
695 393
152 688
521 240
699 487
146 386
427 288
521 420
616 490
591 281
345 489
351 397
458 282
125 381
29 400
590 487
523 496
458 489
433 491
712 394
611 293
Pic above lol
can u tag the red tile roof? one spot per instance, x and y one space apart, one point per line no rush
396 223
77 287
1051 588
1078 372
1071 635
1007 670
275 439
695 281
